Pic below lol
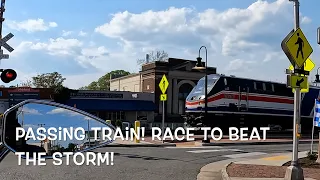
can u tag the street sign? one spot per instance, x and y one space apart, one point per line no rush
163 97
163 84
297 47
304 90
4 56
308 65
3 42
299 82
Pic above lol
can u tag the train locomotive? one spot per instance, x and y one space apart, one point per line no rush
242 102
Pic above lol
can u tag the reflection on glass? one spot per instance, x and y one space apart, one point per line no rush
40 122
199 88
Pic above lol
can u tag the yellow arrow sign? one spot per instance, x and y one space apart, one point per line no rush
163 97
299 82
163 84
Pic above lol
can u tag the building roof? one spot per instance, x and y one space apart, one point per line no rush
112 105
124 77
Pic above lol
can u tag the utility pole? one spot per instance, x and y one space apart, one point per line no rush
294 171
2 10
41 125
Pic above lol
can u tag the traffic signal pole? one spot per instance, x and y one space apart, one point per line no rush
294 171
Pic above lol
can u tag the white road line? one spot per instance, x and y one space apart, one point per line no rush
214 150
244 155
194 147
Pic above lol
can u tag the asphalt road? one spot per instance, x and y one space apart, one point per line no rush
134 163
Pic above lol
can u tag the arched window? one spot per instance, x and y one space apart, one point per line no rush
184 91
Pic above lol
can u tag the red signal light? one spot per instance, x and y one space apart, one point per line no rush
8 75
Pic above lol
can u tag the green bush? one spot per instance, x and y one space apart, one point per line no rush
312 156
119 123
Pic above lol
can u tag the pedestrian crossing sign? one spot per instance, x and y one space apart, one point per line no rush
298 47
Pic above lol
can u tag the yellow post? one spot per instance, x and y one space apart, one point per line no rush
136 126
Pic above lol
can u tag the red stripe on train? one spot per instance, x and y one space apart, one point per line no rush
244 97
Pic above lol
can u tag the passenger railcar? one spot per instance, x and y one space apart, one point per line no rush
242 102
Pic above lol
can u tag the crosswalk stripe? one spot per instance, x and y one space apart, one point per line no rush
194 147
214 150
244 155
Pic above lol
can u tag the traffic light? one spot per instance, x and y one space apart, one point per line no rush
8 75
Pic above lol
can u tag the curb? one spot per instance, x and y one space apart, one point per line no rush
142 145
224 173
253 143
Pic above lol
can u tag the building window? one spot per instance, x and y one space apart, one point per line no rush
148 87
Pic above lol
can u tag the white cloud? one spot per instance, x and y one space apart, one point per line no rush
306 20
66 33
31 25
81 33
63 111
239 64
237 37
27 110
59 46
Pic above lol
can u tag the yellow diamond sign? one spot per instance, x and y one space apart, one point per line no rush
298 47
163 84
308 65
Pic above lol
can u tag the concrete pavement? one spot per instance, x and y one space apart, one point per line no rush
142 163
218 170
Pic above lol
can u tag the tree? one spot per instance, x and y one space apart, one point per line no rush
27 83
103 83
154 56
48 80
71 147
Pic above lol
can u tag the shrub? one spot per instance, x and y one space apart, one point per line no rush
119 123
312 156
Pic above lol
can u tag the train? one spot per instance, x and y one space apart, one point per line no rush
242 102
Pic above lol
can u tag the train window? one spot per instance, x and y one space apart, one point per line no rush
272 86
269 87
259 86
264 86
225 81
255 85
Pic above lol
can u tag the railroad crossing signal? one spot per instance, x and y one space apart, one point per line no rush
3 42
8 75
296 47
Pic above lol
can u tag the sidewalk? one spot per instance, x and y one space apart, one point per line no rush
255 168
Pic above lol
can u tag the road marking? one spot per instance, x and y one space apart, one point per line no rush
195 147
214 150
244 155
276 158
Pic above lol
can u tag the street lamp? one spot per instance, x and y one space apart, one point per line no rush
199 66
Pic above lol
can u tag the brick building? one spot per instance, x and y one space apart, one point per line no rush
182 78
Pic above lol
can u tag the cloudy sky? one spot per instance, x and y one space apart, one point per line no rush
83 40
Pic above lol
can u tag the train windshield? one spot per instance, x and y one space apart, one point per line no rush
199 88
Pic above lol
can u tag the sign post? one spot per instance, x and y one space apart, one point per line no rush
163 97
297 48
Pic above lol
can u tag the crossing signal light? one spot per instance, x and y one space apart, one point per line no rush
8 75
